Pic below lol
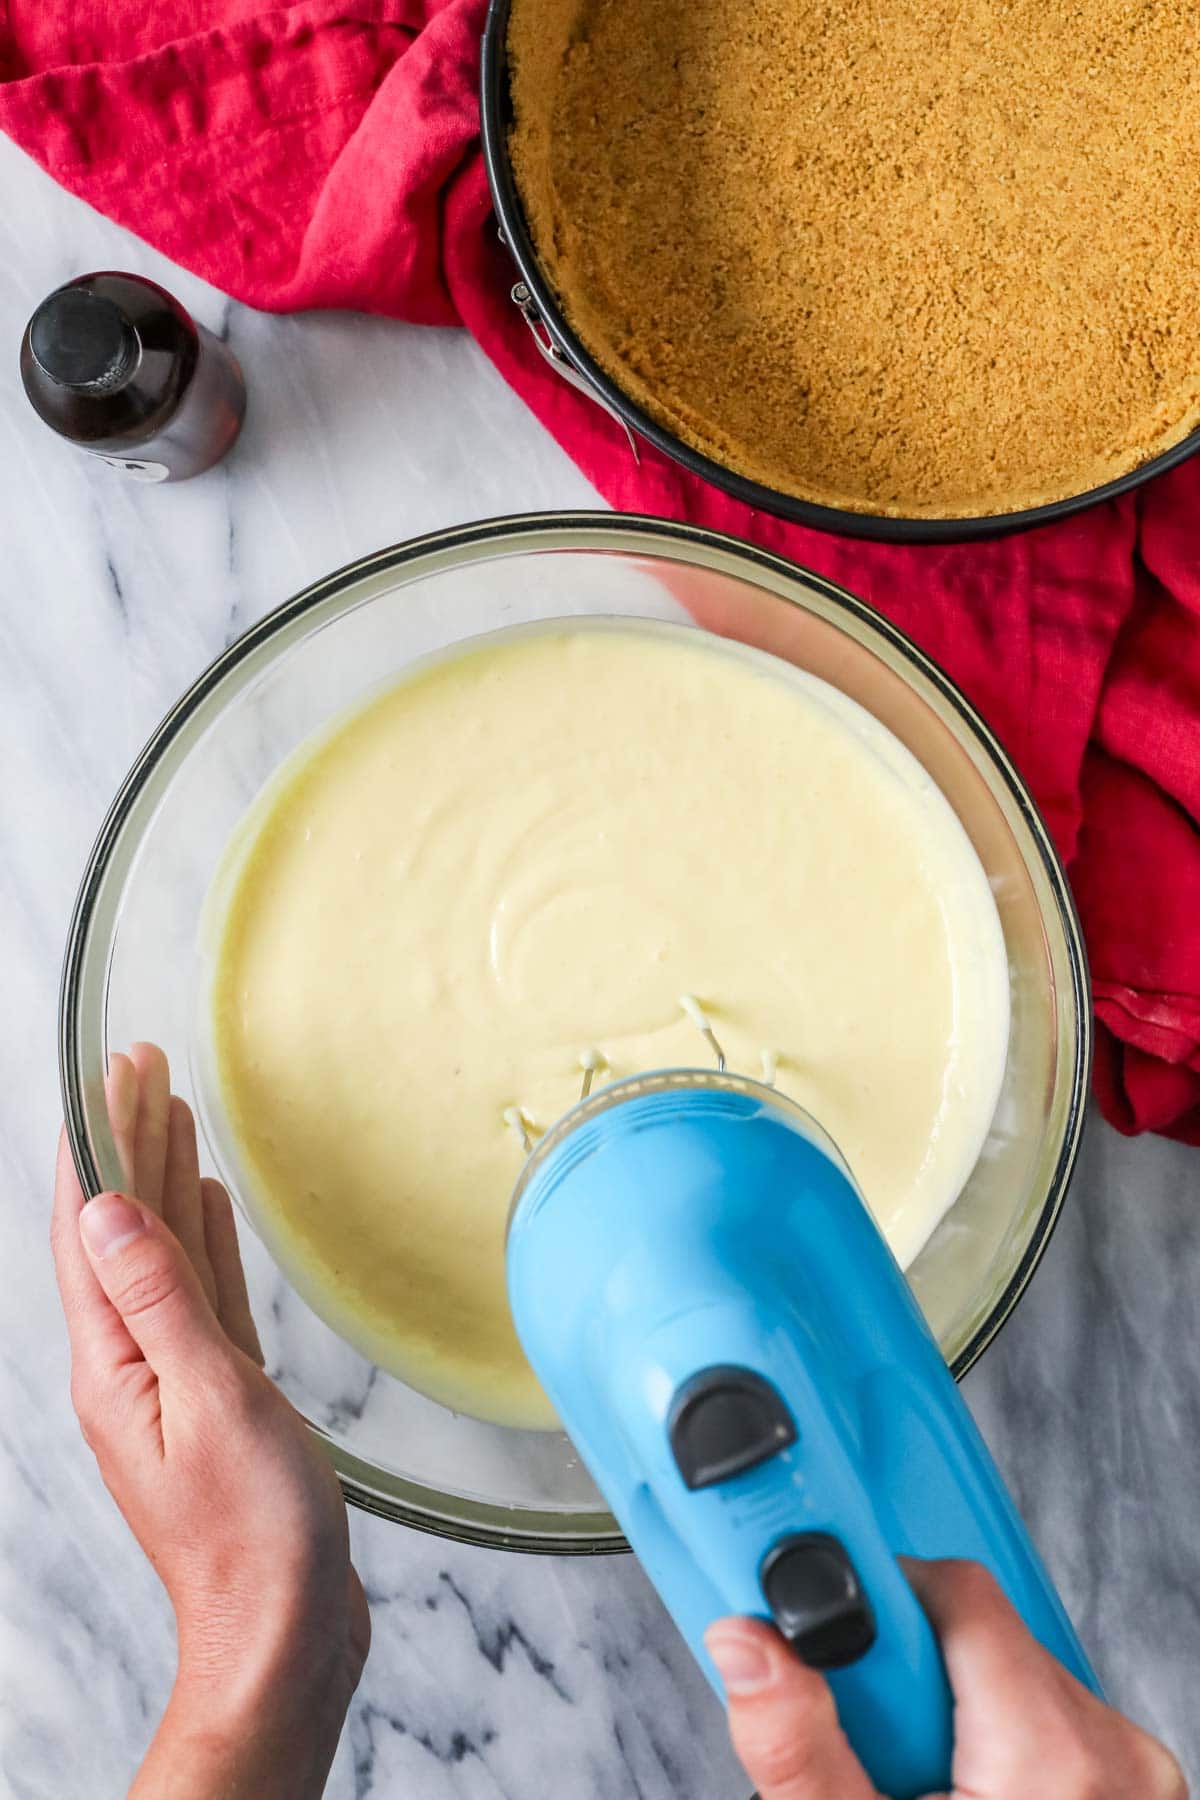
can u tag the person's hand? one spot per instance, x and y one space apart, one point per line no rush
1024 1728
216 1474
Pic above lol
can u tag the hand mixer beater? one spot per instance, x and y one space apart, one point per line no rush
734 1351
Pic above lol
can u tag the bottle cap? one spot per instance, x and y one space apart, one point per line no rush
83 341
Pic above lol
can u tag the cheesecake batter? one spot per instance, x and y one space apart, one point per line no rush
525 853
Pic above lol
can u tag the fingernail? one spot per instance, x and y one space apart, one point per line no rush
110 1221
742 1663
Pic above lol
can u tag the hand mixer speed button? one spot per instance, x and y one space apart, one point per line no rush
724 1420
817 1601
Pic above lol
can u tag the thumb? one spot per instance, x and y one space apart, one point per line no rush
146 1275
782 1718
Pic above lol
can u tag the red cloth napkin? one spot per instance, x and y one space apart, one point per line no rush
326 154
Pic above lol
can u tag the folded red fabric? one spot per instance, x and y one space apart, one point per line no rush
326 154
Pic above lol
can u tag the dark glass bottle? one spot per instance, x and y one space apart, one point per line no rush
114 364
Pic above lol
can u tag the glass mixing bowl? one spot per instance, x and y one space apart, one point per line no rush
133 960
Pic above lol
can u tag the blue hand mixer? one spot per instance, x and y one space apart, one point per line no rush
737 1357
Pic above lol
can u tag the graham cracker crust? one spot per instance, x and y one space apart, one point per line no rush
912 257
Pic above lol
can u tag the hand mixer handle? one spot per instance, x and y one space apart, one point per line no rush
755 1504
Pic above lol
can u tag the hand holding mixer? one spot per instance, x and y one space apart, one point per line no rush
734 1351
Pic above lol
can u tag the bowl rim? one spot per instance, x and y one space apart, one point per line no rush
495 114
475 1522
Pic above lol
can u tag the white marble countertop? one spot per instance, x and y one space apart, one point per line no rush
492 1677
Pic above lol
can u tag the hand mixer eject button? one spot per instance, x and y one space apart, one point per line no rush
725 1420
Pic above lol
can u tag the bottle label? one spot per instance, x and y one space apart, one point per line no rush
138 471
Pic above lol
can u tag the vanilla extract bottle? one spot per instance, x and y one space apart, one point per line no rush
114 364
